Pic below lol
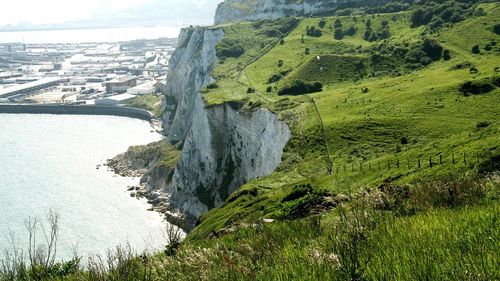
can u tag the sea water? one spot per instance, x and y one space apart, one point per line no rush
49 162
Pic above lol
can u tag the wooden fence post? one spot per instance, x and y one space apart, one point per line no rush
430 161
440 159
465 158
453 158
419 166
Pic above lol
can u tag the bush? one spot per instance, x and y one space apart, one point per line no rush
299 87
269 89
351 31
230 51
282 42
212 86
322 23
476 50
432 48
482 125
446 55
274 78
496 28
338 34
476 87
313 32
307 51
250 90
280 63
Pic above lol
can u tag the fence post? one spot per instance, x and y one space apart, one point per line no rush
430 161
419 166
453 158
440 159
465 158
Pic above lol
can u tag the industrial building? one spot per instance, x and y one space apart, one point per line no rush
120 85
31 86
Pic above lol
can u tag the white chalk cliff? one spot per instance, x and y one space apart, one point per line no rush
223 147
252 10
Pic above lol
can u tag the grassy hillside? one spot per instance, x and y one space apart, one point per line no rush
392 169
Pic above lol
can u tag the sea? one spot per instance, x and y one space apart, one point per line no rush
97 35
49 163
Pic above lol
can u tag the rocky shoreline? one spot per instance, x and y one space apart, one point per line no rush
143 162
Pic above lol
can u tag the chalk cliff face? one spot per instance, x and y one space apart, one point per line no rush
251 10
223 147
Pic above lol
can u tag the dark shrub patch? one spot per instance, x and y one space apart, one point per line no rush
476 88
476 50
274 78
482 125
299 87
496 28
446 54
250 90
314 32
212 86
432 48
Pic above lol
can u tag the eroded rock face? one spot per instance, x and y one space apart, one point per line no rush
223 147
251 10
189 68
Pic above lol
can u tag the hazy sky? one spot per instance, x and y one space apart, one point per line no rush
58 11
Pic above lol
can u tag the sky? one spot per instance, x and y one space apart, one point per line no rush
14 12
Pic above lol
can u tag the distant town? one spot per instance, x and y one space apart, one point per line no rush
111 74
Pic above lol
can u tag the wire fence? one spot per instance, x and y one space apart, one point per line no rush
468 158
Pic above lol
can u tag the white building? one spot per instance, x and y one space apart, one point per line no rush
115 100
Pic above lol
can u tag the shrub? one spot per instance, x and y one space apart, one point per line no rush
496 28
274 78
337 24
482 125
338 34
476 50
307 51
212 86
299 87
432 48
282 42
250 90
446 54
234 51
280 63
351 31
269 89
322 23
476 87
313 32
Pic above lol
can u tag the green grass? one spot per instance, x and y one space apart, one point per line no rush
148 102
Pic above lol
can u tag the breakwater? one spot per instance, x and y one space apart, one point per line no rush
76 110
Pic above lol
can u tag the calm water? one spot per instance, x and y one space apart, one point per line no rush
49 162
89 35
